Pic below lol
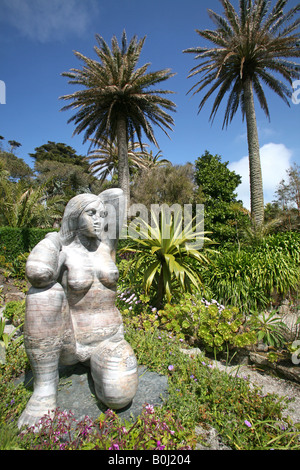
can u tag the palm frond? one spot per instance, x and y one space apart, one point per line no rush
113 85
248 44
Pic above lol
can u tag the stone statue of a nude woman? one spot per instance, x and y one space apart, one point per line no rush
70 309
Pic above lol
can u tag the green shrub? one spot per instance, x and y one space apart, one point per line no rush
212 325
288 243
269 328
156 349
245 418
16 360
16 267
164 252
13 400
9 439
249 278
15 241
15 312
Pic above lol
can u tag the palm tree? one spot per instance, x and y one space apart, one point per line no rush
106 158
251 47
117 98
150 161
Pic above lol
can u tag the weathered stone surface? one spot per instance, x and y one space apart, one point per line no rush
290 372
193 352
293 328
209 439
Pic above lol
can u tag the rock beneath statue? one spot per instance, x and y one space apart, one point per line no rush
76 392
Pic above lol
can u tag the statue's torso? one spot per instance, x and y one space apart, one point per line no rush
89 280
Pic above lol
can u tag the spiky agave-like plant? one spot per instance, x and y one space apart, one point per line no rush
164 250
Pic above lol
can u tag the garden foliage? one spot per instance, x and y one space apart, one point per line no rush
15 241
164 252
252 277
208 324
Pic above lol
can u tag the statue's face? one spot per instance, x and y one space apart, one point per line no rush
91 220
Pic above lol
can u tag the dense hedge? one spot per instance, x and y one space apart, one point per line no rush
14 240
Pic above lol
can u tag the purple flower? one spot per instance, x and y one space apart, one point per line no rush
171 367
160 446
114 447
149 409
248 423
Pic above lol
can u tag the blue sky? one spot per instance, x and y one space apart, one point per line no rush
38 37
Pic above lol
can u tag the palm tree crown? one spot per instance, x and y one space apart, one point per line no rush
150 161
117 98
251 48
106 158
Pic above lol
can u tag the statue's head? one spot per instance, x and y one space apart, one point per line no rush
84 213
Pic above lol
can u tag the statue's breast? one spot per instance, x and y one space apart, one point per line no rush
84 269
79 279
106 270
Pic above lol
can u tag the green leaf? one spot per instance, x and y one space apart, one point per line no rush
150 274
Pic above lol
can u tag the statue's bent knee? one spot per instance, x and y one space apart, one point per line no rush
114 371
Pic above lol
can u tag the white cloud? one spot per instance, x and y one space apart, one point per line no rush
275 160
48 20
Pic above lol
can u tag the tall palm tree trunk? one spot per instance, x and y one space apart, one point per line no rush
256 184
123 166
